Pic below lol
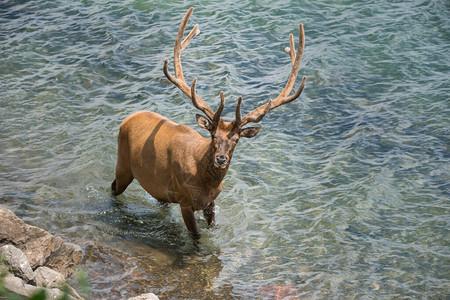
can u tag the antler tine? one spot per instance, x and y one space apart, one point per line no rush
219 110
178 80
195 99
238 120
295 65
291 50
194 32
296 94
177 49
201 106
257 114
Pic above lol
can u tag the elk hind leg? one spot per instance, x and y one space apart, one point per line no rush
123 179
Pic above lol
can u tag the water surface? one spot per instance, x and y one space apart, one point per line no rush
344 192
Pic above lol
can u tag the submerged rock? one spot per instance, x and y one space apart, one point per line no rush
278 292
149 296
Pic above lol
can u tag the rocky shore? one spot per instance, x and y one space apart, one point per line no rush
33 260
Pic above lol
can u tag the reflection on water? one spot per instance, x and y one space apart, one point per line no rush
344 192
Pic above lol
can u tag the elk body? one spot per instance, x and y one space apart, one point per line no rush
173 162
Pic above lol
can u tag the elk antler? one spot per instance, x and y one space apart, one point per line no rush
257 114
179 80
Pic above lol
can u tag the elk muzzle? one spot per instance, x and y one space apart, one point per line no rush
221 161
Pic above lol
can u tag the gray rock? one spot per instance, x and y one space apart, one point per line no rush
24 248
53 293
17 262
58 294
49 278
149 296
16 285
73 293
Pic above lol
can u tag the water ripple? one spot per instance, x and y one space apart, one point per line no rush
344 193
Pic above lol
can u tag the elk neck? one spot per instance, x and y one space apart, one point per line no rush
210 174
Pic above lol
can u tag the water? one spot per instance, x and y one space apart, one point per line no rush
343 194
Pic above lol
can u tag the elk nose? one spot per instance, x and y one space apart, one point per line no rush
221 159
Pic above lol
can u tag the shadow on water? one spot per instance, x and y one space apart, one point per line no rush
149 224
154 253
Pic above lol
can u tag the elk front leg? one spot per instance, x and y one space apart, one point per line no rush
209 214
189 220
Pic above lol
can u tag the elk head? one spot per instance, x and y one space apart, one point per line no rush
225 135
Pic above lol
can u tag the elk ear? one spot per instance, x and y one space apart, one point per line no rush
249 132
203 122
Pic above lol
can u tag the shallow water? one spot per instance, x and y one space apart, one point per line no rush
344 193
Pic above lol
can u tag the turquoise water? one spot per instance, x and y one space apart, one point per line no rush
343 194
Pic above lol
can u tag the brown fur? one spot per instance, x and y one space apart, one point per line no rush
176 164
173 163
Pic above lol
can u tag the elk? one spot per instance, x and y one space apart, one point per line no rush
173 162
